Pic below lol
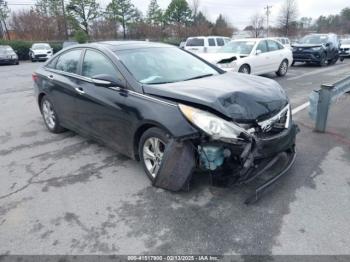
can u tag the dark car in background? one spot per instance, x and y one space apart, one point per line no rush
169 109
8 55
318 49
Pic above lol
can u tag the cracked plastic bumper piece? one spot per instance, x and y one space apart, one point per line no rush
177 165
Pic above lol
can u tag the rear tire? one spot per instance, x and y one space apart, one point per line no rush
50 116
244 69
283 69
151 149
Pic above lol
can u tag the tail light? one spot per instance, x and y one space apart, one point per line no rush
35 77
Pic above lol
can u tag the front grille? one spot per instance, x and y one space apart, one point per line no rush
39 56
275 124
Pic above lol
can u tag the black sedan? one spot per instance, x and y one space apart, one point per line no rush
8 55
169 109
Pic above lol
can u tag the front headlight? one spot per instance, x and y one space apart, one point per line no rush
214 126
316 48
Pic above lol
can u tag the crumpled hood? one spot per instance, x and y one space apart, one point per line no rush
345 46
243 98
217 57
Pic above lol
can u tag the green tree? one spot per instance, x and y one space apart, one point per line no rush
80 36
222 27
4 14
82 13
178 12
154 13
124 12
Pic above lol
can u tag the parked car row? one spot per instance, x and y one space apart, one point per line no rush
266 55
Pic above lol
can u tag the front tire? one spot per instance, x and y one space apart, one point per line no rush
283 68
323 59
151 150
244 69
50 117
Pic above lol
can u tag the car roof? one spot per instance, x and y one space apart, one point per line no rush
126 45
210 36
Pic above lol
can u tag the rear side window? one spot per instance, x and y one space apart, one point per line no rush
96 63
273 45
211 41
69 61
52 63
220 41
262 46
195 42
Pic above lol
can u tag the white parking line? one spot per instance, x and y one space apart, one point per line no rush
300 108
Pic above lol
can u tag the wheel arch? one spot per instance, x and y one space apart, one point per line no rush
140 131
40 98
245 64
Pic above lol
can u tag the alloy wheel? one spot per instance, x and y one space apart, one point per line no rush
49 114
284 68
153 151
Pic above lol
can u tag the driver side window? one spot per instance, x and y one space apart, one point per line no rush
96 63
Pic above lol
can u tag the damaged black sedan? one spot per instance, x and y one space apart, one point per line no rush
169 109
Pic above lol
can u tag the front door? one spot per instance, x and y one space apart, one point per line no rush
102 110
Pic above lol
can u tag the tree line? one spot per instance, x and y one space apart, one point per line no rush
289 24
85 19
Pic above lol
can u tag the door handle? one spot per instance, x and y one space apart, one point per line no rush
80 90
50 77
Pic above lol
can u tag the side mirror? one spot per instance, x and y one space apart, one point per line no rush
105 80
328 44
258 52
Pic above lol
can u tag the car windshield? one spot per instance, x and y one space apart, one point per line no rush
314 39
41 47
163 65
6 50
346 42
238 47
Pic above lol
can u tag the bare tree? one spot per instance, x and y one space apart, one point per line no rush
195 7
288 16
256 27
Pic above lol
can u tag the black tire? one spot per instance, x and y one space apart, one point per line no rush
323 59
333 61
244 69
283 68
149 134
56 128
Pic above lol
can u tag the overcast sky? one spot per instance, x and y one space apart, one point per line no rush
239 11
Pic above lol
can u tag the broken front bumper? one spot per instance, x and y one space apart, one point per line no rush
246 161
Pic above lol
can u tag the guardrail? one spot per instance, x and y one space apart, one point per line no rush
321 100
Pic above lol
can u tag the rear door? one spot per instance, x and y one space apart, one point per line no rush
275 55
102 110
261 62
62 85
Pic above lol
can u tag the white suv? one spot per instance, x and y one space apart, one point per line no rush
40 52
205 44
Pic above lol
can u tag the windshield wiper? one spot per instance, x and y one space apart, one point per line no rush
198 77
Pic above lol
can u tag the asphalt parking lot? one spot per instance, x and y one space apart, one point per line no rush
63 194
